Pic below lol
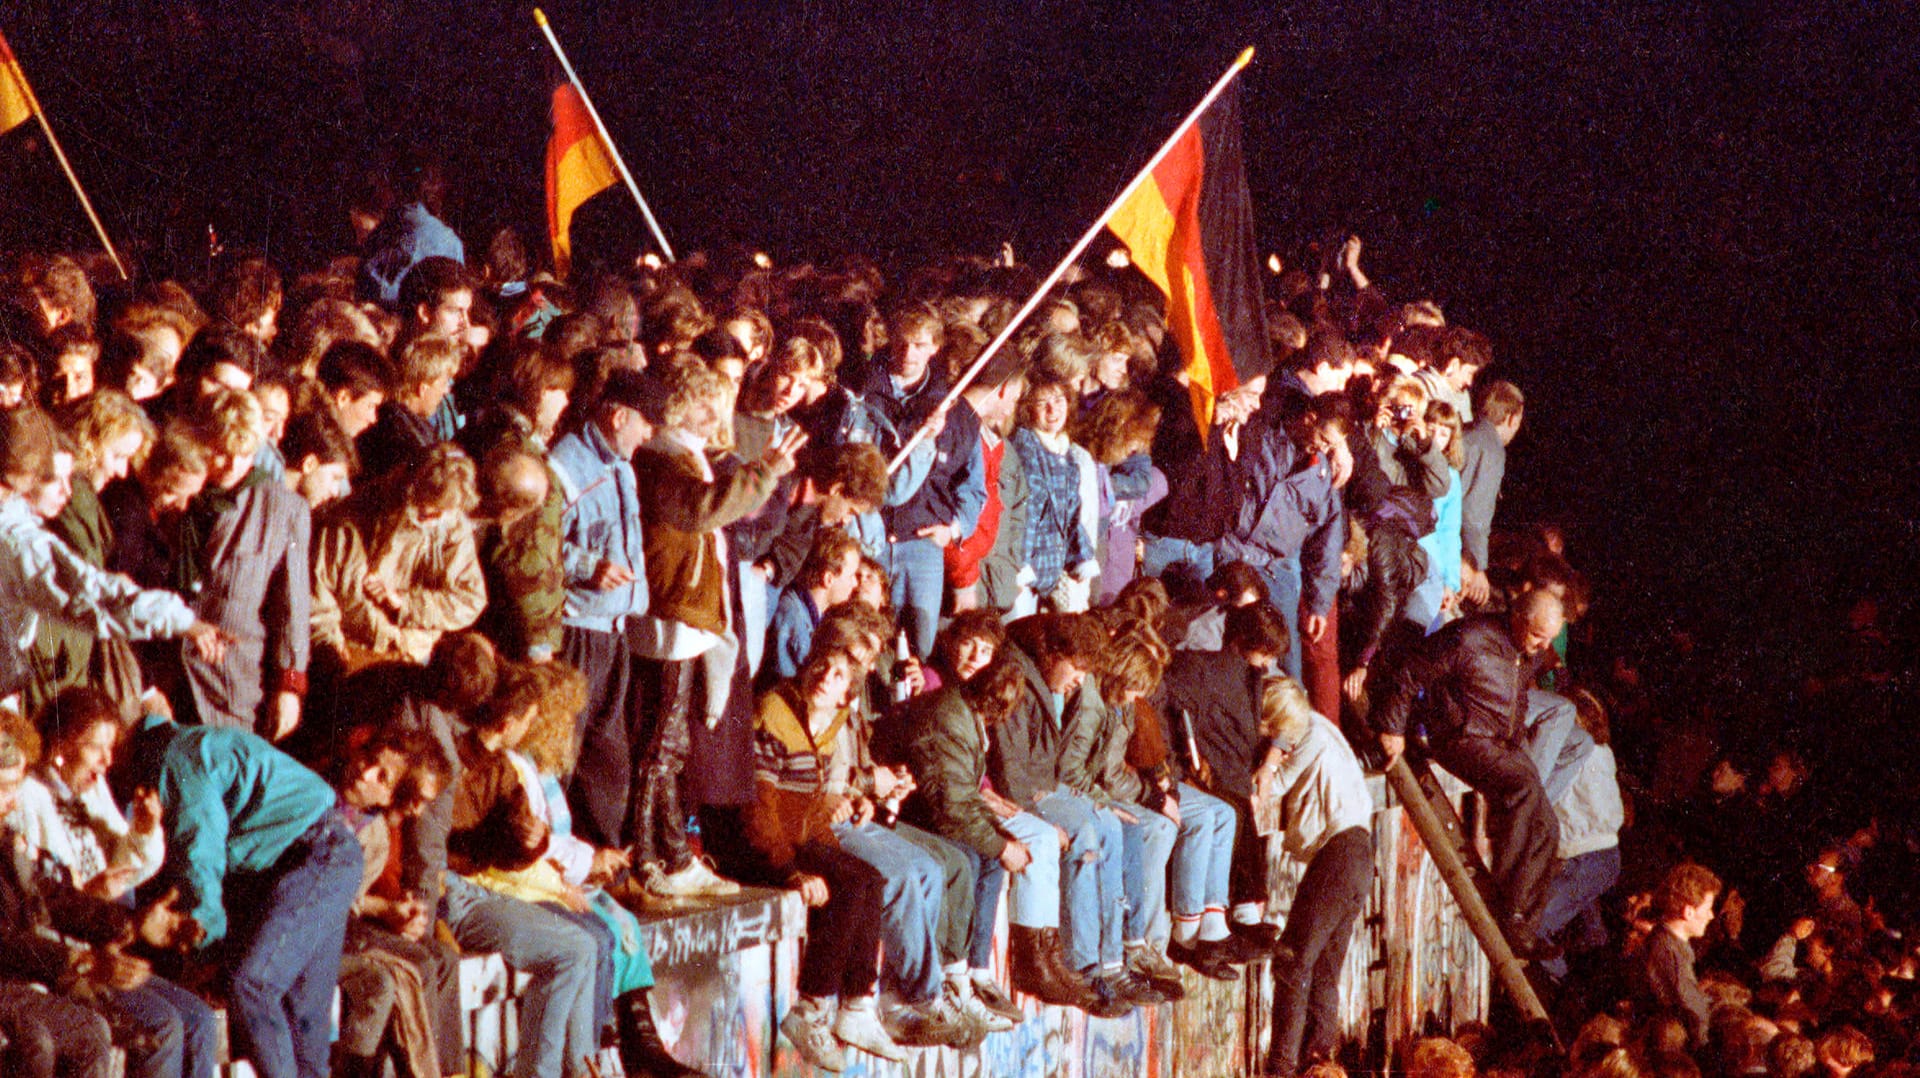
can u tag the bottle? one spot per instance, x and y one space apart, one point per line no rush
901 656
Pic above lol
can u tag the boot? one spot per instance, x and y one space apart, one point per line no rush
1036 969
642 1053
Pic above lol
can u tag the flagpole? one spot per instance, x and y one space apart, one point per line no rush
605 138
1059 271
60 155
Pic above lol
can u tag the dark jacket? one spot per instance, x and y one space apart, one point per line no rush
1289 509
1467 680
32 903
1219 693
947 757
1025 759
954 489
397 439
1202 492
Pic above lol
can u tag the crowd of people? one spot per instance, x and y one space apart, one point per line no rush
423 603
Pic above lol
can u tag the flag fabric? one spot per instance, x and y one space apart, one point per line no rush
16 105
578 168
1189 228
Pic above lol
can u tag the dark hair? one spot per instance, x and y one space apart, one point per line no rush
462 671
316 433
859 469
1233 579
243 290
213 346
828 553
1686 884
994 691
517 689
979 623
356 367
1256 629
1051 638
1463 344
1324 345
74 711
429 281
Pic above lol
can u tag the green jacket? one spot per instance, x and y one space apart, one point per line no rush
526 587
948 758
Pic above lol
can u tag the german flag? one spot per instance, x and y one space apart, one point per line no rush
1189 228
16 101
578 168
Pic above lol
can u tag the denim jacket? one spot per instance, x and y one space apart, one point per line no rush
601 521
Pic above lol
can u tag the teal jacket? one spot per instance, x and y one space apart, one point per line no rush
231 803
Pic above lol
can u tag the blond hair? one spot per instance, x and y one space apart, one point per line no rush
696 387
426 359
98 419
231 422
1285 711
549 743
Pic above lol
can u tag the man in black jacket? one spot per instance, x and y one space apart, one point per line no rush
1469 682
1213 697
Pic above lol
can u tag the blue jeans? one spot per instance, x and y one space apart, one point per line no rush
1033 893
556 1017
1148 844
909 908
1203 853
1575 889
603 943
182 1032
1094 900
288 964
919 572
1162 551
1283 591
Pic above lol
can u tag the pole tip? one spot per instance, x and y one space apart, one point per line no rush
1245 58
541 18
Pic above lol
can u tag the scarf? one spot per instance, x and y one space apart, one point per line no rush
196 528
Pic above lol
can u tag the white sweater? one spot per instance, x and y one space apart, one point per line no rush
1322 790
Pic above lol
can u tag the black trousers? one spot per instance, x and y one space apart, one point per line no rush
51 1036
657 822
607 774
1313 947
1521 824
843 937
1247 872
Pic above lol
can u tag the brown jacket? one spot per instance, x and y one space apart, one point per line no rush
683 513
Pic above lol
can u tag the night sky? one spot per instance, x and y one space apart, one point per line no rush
1690 230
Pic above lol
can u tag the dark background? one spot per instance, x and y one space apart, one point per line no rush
1689 229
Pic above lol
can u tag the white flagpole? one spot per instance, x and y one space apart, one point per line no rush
1060 270
605 139
33 103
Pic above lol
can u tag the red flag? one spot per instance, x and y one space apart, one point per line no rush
578 168
1189 228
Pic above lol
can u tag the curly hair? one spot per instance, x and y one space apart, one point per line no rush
1121 425
551 744
101 418
445 480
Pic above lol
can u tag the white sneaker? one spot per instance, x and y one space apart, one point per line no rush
806 1026
697 880
975 1011
860 1028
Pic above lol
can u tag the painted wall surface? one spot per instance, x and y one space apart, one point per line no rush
726 975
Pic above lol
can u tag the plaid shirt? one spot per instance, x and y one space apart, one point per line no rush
1056 537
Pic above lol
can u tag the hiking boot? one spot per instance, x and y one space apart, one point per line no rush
806 1026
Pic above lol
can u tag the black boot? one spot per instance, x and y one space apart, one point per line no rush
642 1052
